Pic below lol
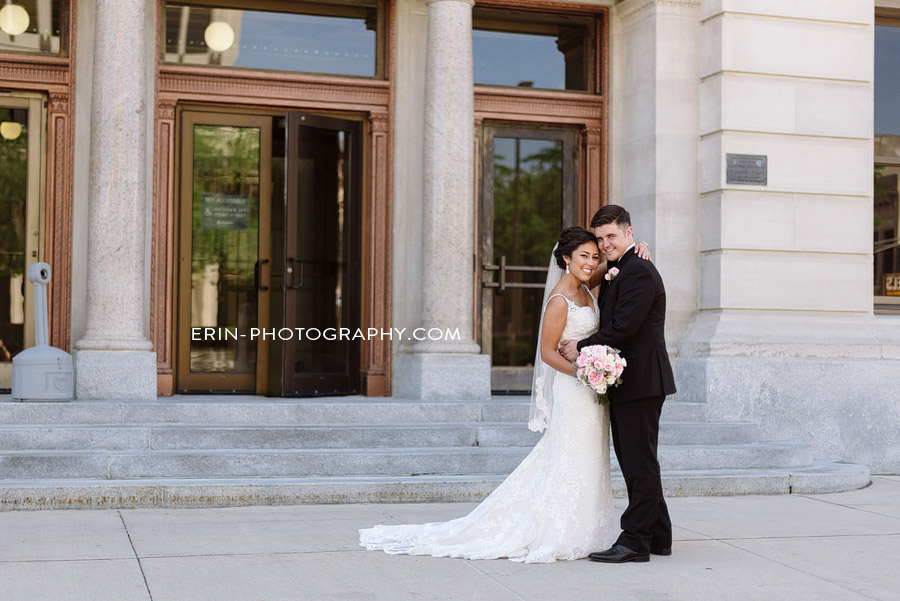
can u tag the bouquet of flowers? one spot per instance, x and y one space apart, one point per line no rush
600 367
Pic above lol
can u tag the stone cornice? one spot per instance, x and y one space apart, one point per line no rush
271 88
49 72
627 9
537 103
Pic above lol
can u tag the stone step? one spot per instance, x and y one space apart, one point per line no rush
326 436
759 455
358 462
182 493
682 411
243 410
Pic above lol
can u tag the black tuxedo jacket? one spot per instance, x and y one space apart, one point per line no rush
633 319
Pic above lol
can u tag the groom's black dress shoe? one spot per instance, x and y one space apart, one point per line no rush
665 552
618 554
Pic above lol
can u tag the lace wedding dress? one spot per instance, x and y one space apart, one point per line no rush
557 504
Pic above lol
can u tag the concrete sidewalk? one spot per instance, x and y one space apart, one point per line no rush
843 546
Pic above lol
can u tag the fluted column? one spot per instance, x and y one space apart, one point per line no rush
447 368
115 359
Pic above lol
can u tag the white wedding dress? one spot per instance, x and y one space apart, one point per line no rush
557 504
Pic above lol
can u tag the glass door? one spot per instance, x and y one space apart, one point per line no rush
322 259
21 191
224 257
270 260
529 193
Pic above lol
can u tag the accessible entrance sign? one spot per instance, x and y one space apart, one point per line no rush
225 212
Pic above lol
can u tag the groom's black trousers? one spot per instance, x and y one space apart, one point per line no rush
635 433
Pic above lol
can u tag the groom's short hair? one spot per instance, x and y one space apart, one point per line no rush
612 214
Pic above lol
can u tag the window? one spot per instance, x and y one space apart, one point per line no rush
33 26
886 227
524 49
338 39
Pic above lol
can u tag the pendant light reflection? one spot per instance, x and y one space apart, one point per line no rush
14 19
219 36
10 130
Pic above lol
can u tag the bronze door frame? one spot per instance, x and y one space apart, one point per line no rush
373 98
35 193
304 384
211 381
271 375
54 78
516 378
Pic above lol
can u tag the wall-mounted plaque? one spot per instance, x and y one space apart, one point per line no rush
224 212
892 284
746 169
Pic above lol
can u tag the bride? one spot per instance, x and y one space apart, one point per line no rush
557 504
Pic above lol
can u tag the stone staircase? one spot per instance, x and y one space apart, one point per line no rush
190 451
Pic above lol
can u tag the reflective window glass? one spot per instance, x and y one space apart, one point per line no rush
13 197
224 245
887 79
34 26
887 227
512 48
887 166
527 218
336 39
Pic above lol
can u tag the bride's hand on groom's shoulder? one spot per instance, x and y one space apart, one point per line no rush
642 249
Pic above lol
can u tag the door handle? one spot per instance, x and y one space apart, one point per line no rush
257 267
504 269
290 270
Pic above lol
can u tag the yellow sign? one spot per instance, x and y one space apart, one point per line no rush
892 284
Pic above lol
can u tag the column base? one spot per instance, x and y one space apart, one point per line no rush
848 410
115 375
819 378
442 376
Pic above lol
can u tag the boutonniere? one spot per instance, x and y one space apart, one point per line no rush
611 274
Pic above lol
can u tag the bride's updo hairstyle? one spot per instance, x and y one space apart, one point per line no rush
569 240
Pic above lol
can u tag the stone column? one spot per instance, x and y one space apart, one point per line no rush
115 360
451 369
655 140
786 265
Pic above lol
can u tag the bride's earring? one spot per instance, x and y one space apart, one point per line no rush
567 268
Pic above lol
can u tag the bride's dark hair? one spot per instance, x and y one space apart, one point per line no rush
570 239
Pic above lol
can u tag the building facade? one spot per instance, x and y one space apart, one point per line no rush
360 197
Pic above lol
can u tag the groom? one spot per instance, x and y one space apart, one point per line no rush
632 319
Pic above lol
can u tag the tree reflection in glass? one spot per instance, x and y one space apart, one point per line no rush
13 197
224 245
528 199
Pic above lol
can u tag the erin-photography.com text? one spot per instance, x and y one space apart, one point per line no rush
328 334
